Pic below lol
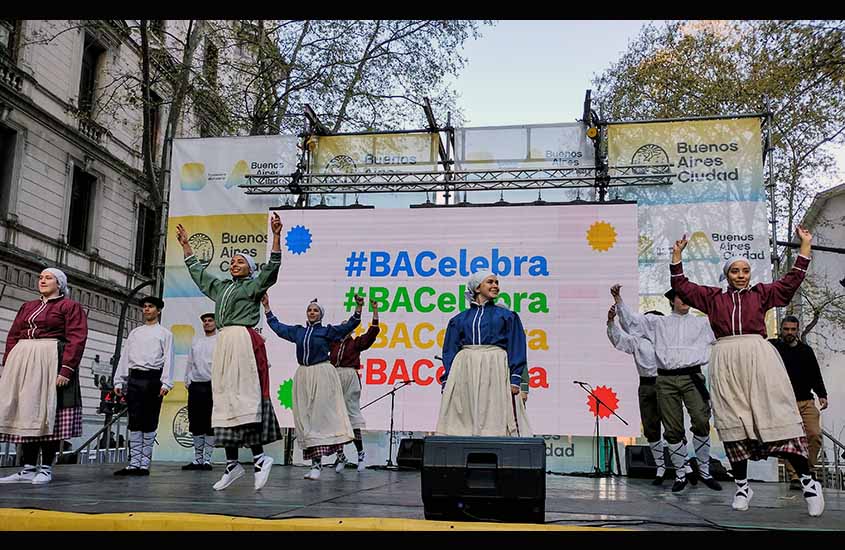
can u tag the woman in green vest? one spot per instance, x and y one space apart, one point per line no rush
242 415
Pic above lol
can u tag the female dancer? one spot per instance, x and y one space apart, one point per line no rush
319 412
754 407
242 414
40 399
484 354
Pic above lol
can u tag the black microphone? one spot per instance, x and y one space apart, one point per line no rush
438 357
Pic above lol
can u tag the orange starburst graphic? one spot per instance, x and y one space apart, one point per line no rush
609 402
601 236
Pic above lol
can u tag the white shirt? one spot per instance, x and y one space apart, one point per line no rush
680 341
640 347
198 367
149 347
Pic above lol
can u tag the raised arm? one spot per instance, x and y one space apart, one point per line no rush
780 292
637 323
283 331
367 339
622 341
210 285
617 299
339 332
268 276
698 296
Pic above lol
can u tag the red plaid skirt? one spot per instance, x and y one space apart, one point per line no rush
751 449
67 426
321 450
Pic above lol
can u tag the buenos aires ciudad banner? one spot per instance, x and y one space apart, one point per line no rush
716 197
221 221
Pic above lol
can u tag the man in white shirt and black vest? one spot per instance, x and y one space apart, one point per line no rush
200 403
145 374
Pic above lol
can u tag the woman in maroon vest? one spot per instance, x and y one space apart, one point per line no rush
754 407
40 399
345 355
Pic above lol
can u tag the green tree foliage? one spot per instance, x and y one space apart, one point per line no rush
705 68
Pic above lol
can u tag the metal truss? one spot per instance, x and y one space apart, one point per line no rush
480 180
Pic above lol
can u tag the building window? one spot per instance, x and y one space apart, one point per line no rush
209 64
9 30
8 140
91 56
145 240
81 204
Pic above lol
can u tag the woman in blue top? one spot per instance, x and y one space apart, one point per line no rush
319 410
484 354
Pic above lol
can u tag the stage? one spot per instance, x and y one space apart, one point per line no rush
378 500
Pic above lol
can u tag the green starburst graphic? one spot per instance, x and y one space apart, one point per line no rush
285 394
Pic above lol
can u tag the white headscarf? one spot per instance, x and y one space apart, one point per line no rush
729 263
251 263
61 279
474 282
316 303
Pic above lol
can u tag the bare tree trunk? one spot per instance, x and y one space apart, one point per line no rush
258 109
147 141
811 325
196 29
359 71
283 108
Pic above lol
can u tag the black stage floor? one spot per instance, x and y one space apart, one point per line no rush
570 500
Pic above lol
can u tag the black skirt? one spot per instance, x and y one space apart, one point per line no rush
199 408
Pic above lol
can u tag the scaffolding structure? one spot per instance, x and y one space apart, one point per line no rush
446 180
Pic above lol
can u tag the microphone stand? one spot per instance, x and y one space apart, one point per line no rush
392 394
597 469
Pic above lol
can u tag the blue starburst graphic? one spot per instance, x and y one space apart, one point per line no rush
298 239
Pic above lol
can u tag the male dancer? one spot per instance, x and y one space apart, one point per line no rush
682 345
145 374
198 382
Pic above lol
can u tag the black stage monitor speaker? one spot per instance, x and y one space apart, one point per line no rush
484 479
639 462
410 454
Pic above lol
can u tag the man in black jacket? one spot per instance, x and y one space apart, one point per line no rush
806 379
